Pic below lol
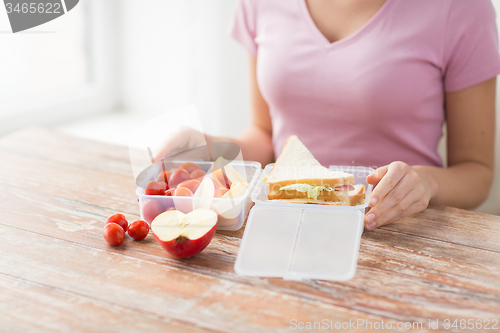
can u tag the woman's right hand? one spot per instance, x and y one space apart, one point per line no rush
255 142
184 138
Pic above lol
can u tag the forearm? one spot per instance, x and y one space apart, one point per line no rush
255 144
464 185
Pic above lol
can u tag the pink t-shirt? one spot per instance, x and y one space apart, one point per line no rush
376 96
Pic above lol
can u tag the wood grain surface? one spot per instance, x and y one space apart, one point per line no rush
57 274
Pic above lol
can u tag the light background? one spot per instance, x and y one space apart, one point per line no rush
154 56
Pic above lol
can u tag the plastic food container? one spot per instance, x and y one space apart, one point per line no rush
231 218
302 241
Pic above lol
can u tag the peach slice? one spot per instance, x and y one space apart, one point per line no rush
221 166
184 235
237 190
218 192
231 208
220 179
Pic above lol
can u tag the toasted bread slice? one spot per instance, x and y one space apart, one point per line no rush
311 201
338 198
296 164
356 195
323 195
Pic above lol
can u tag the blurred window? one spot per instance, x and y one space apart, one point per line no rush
50 58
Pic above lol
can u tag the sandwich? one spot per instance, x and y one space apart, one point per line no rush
297 177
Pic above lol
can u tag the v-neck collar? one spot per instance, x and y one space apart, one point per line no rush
357 34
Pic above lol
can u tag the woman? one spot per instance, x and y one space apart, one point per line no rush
370 83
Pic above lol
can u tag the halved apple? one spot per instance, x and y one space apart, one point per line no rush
217 189
233 175
230 209
184 235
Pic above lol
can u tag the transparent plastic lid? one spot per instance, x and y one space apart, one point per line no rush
299 243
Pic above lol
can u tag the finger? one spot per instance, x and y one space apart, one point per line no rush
170 144
395 214
376 175
395 172
403 187
164 150
159 154
374 221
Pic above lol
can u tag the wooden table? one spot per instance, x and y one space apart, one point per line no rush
57 274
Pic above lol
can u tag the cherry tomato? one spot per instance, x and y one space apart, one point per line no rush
191 184
138 230
177 177
197 174
170 191
155 188
189 167
164 176
170 208
150 210
183 192
113 234
118 219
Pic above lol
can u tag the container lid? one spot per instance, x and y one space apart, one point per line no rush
296 242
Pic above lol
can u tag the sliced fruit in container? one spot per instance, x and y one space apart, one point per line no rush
177 177
150 210
217 189
205 193
189 166
197 174
226 174
182 203
230 209
191 184
220 179
184 235
155 188
164 176
227 222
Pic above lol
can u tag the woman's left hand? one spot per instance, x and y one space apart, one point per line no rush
401 191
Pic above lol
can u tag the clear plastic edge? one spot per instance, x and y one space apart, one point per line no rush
290 276
139 191
251 184
359 169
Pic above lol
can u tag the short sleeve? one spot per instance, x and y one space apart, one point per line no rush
243 25
470 53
